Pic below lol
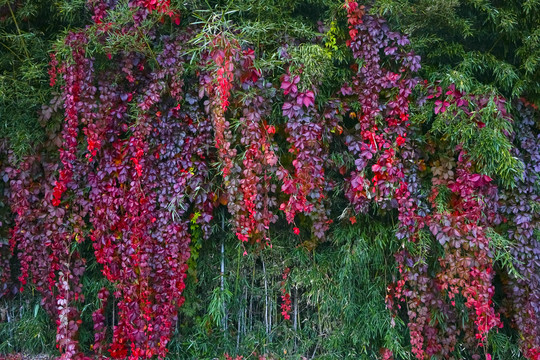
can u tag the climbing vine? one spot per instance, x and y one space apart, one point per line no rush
163 113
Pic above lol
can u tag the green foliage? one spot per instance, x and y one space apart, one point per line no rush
25 327
27 30
495 43
339 291
482 47
489 146
502 252
503 346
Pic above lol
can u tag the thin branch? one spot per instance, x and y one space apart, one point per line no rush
10 50
19 30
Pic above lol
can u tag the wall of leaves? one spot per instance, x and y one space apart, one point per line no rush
270 179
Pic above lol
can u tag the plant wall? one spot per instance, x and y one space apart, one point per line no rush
270 179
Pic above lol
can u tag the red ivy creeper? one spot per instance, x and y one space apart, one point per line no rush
467 267
371 39
43 235
285 296
78 77
223 56
306 128
255 215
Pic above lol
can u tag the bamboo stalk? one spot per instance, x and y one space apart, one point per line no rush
224 324
251 300
295 317
265 299
19 30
